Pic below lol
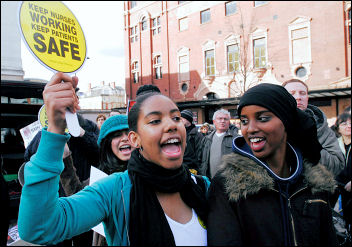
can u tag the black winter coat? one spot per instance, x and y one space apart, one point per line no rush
192 157
245 206
85 151
343 178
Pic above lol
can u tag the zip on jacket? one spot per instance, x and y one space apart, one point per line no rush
282 183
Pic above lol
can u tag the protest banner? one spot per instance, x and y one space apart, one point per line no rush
53 35
55 38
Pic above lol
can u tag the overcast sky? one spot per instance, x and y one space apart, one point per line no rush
102 24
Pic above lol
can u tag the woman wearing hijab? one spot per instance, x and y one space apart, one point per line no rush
271 189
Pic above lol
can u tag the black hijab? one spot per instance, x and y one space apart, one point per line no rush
148 224
300 126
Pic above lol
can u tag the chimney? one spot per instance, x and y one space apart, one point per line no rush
89 86
112 84
102 83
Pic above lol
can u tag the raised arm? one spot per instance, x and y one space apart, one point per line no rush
44 218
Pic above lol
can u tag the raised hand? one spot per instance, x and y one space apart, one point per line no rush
59 97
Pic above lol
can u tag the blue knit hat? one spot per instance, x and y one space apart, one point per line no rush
113 123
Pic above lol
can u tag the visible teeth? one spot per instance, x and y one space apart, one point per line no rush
256 139
125 146
171 141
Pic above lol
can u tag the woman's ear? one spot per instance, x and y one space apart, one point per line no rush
134 139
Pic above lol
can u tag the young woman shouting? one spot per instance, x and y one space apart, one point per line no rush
271 191
156 201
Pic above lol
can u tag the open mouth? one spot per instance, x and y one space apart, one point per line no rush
257 143
125 149
172 147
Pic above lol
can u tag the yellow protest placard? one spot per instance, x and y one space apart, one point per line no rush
43 118
53 35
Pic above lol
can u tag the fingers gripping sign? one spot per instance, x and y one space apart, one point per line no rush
61 104
55 38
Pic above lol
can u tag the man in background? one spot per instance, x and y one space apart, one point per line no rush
331 155
100 120
192 156
217 143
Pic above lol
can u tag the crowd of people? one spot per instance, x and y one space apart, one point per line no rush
270 179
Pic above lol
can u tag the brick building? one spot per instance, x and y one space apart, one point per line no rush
205 54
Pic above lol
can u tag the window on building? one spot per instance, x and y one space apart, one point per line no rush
210 63
144 24
205 16
134 34
183 24
133 4
212 95
184 87
157 67
135 72
300 45
156 28
233 58
301 72
259 48
259 3
230 8
179 2
183 62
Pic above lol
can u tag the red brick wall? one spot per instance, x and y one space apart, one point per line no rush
328 48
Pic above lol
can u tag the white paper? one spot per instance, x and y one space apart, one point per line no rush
72 123
13 233
29 132
95 175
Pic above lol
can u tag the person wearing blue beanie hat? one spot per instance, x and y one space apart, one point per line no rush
113 123
114 150
114 147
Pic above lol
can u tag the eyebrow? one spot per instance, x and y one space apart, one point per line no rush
258 113
159 112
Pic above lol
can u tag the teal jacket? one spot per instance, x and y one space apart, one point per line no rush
44 218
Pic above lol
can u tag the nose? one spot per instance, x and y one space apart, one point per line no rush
170 124
297 96
252 126
124 136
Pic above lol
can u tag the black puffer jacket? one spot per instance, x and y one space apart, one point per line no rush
246 209
192 157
